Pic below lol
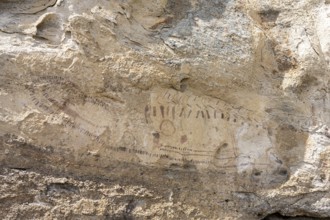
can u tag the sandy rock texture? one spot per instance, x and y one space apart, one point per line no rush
164 109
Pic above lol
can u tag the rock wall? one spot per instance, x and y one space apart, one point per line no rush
141 109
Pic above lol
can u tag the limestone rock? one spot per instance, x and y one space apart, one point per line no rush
164 109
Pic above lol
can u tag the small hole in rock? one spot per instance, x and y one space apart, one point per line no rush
183 84
156 135
257 173
283 172
269 15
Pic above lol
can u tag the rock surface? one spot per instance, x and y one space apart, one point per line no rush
141 109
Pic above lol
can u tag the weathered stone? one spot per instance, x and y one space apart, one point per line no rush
164 109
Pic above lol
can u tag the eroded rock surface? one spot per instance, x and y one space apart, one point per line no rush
164 109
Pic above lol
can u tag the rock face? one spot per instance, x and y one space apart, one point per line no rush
143 109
